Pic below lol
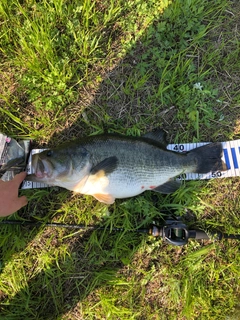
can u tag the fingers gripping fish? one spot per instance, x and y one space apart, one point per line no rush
113 166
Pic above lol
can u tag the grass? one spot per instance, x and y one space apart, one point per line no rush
71 68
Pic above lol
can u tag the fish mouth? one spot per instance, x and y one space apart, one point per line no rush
41 168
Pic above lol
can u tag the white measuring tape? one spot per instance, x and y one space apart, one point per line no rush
231 156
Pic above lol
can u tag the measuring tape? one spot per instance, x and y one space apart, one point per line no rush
231 156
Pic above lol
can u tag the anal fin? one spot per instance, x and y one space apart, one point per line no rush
105 198
168 187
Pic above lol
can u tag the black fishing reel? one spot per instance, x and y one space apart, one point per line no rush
175 232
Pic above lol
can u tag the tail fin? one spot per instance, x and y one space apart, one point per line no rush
208 158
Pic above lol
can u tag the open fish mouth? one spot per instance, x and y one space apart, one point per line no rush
41 167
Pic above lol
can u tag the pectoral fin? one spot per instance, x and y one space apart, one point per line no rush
105 198
107 166
168 187
98 180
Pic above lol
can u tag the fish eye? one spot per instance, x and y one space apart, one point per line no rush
49 153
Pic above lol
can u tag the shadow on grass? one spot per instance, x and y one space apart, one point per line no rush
92 261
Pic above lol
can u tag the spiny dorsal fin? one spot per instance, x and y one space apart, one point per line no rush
157 135
108 165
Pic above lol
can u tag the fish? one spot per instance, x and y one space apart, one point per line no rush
112 166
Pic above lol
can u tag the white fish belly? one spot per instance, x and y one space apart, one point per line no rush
124 186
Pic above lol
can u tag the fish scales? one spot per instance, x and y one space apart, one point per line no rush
138 161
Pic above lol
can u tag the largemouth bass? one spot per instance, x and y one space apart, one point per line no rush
114 166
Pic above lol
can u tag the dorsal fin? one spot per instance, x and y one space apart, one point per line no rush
157 135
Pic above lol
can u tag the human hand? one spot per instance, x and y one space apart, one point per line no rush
9 200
